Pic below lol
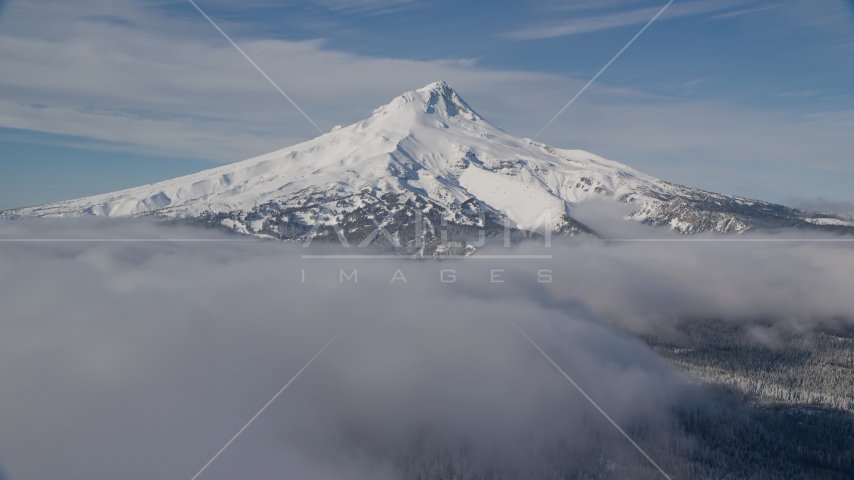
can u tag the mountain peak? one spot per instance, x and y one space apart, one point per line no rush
440 86
437 97
426 155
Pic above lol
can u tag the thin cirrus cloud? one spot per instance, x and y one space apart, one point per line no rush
124 78
166 86
369 7
605 21
745 11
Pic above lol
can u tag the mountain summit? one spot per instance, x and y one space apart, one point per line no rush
427 154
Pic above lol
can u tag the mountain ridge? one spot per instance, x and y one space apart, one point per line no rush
427 154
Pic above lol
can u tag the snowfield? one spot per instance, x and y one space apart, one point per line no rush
426 150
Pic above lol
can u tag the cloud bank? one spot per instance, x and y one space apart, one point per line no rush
140 359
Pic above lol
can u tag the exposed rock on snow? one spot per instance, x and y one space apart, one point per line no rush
426 154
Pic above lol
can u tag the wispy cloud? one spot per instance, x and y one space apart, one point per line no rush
823 205
370 7
608 20
150 83
832 20
841 119
585 5
800 93
745 11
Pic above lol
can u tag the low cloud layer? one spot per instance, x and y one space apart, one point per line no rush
141 359
823 205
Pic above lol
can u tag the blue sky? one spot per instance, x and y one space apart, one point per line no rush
748 97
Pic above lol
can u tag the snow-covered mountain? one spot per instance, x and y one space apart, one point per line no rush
426 155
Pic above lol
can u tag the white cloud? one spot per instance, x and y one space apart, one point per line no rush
831 19
745 11
139 361
141 81
372 7
604 21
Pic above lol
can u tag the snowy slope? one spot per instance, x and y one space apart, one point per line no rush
425 150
